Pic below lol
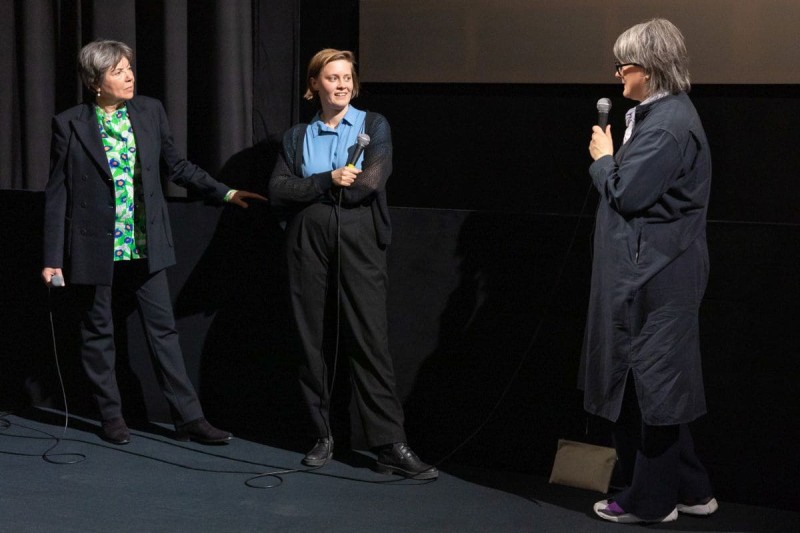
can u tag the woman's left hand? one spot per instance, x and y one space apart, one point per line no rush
601 144
239 198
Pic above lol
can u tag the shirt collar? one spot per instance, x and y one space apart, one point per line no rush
630 115
654 97
318 126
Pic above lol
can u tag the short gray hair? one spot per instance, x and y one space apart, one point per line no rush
657 45
97 57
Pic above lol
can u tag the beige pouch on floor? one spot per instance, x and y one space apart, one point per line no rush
582 465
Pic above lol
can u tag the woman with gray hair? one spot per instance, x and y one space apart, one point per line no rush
640 364
106 230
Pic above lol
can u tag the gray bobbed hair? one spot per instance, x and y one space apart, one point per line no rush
97 57
658 46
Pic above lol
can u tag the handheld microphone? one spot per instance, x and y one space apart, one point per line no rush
603 107
362 141
57 281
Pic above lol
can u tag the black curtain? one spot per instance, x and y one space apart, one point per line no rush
278 76
226 73
197 57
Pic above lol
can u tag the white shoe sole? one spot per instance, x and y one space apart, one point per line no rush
628 518
700 510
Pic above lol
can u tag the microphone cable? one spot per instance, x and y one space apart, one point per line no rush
47 455
402 481
337 207
6 424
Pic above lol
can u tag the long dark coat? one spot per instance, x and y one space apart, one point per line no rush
79 197
650 268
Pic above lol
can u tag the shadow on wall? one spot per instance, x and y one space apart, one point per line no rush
28 373
37 357
467 290
248 360
506 323
240 339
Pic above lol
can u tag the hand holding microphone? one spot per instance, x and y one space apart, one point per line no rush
601 144
53 277
345 176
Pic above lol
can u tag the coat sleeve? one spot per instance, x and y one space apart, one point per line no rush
55 210
645 172
377 166
182 171
286 187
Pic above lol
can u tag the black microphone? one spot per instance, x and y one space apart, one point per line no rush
603 107
363 141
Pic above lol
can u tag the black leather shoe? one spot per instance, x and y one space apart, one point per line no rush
201 431
321 453
116 431
399 459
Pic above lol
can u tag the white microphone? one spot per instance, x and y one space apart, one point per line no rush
603 107
57 280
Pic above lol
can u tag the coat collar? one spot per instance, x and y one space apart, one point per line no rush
145 138
641 112
86 129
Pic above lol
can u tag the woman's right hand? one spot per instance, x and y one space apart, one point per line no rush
48 273
602 143
345 176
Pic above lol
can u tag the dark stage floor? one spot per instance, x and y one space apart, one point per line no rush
156 484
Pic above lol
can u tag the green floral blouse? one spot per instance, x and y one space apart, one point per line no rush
130 237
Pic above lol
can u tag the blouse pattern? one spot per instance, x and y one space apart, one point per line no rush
119 143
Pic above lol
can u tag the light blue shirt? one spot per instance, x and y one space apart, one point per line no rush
326 149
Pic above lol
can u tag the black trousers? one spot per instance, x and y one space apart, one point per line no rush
313 255
658 462
98 353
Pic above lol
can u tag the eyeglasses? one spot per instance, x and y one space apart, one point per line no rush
620 66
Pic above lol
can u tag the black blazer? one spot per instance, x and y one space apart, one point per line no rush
79 197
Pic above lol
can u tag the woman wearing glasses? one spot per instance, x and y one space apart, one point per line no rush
641 365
